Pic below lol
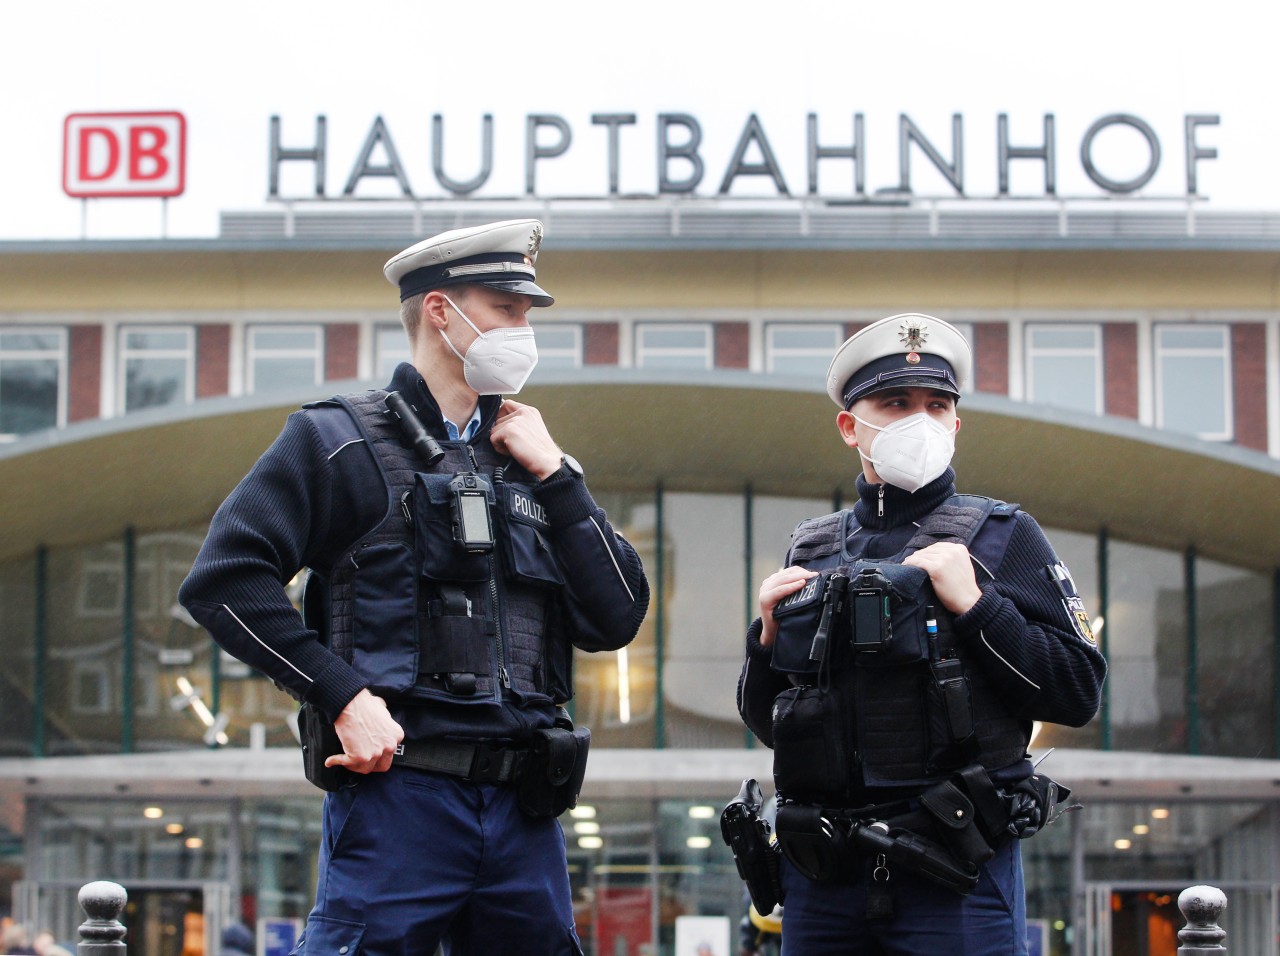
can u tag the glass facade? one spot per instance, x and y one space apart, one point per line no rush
102 661
32 380
157 366
283 357
1064 366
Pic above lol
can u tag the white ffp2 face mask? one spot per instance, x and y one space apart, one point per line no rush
499 361
912 451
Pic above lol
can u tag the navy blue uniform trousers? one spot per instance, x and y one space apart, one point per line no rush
410 859
829 919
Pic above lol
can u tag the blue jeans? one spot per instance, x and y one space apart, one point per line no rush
410 859
826 919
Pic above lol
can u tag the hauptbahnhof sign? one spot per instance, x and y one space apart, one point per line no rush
681 162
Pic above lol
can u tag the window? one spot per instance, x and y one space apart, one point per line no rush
283 356
157 366
1193 380
1064 366
32 373
390 348
801 350
559 346
673 345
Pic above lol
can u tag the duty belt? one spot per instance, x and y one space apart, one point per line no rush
479 762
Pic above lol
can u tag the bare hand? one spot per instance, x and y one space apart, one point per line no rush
951 571
520 432
773 589
368 733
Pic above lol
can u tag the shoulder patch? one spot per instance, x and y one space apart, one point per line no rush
1080 618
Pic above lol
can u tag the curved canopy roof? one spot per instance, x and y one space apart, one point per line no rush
633 428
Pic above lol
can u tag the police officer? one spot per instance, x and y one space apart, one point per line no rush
897 665
456 559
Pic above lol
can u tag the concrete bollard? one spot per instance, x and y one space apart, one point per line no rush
102 934
1202 906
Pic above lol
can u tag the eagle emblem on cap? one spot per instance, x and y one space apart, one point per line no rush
535 239
913 335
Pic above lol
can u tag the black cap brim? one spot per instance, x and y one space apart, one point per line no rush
521 286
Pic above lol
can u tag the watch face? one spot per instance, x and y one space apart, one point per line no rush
572 464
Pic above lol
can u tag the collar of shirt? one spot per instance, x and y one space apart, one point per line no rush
473 426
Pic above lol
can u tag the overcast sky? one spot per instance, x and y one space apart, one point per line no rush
239 63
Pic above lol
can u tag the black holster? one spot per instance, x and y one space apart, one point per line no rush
917 855
320 741
746 833
553 770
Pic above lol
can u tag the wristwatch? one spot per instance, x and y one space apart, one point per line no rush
568 461
568 466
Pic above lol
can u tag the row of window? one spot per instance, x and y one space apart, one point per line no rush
1063 364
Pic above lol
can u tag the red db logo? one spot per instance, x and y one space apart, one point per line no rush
124 154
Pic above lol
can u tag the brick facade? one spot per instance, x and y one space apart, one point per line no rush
1120 369
600 343
732 344
213 360
341 351
84 372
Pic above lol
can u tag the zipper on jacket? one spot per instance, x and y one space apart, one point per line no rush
495 603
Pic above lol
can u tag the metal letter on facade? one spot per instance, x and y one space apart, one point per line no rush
613 121
1114 185
854 152
753 132
378 133
1046 152
1195 151
460 187
688 150
909 133
533 152
279 155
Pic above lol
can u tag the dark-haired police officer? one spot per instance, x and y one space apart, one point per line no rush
900 719
457 559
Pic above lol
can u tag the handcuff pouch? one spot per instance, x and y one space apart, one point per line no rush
812 843
554 768
955 821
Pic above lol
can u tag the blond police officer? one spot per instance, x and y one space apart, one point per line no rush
457 559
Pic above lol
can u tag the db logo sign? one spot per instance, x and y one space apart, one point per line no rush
124 154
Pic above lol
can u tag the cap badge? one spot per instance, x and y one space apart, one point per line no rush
913 335
535 239
913 358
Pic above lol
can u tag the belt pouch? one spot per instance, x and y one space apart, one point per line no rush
812 746
952 741
954 819
815 846
440 556
553 772
319 741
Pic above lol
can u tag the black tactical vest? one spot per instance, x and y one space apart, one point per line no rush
419 617
871 677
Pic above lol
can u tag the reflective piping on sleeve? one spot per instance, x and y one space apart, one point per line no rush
983 566
982 634
266 645
354 441
612 558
